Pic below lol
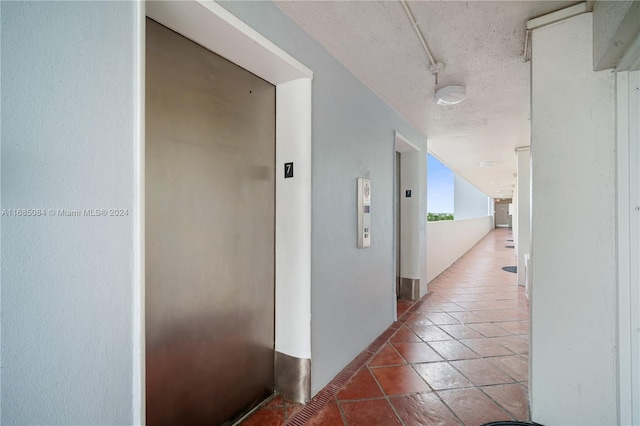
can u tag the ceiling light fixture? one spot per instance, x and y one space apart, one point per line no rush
450 95
487 164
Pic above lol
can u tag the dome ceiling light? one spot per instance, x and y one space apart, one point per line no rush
450 95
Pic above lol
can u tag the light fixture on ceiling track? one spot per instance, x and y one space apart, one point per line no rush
449 95
434 67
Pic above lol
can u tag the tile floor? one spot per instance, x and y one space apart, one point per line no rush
459 356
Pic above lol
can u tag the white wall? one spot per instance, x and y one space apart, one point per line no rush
448 240
293 220
68 143
573 306
411 237
628 152
514 212
522 217
468 201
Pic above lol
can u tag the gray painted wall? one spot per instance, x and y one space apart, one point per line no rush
67 143
468 201
573 300
352 290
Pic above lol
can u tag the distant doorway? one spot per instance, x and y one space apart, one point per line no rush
502 216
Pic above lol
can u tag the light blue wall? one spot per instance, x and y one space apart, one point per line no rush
468 201
352 289
67 143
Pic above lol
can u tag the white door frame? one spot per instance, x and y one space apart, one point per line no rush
411 239
213 27
628 151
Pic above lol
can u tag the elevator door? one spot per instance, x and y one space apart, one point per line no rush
210 214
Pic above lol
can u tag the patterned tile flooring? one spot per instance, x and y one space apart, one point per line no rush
459 356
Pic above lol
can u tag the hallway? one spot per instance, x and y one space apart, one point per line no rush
457 356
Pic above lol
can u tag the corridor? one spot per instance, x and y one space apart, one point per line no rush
457 356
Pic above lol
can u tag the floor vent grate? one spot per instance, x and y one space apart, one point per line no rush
342 378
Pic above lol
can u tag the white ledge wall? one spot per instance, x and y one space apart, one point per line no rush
448 240
468 201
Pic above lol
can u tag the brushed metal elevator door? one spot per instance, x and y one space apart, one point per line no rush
210 214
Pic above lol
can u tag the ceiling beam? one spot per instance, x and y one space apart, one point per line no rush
556 16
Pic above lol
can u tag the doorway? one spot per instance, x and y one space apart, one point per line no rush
502 216
210 230
409 167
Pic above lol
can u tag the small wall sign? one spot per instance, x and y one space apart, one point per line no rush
407 193
288 170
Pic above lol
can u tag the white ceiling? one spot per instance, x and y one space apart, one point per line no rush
481 44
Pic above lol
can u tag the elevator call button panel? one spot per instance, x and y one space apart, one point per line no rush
364 212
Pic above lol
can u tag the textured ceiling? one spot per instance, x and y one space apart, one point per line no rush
481 44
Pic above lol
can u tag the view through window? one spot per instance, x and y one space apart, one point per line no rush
440 190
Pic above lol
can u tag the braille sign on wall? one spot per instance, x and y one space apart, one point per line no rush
288 170
407 193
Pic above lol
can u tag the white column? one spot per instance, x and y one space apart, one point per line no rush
523 209
574 299
514 216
